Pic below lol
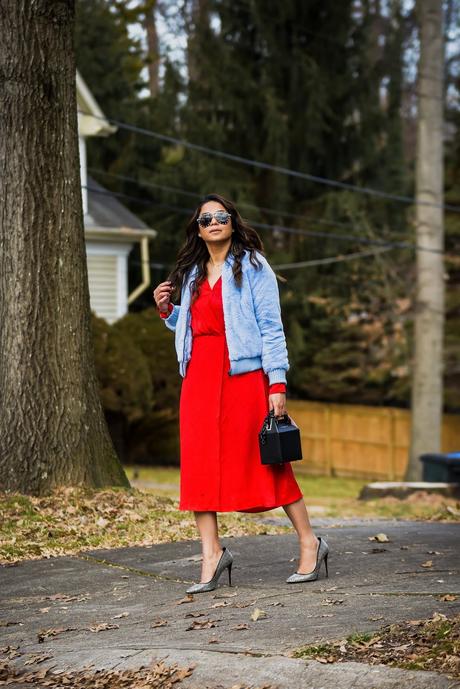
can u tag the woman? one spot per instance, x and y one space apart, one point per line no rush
233 359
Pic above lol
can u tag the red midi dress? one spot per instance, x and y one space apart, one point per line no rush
220 418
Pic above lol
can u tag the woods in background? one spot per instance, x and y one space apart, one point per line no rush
320 87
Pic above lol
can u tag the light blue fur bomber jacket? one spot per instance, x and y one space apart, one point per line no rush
252 316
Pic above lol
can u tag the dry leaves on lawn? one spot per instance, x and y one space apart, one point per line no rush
431 644
71 520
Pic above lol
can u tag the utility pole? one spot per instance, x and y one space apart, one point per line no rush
427 372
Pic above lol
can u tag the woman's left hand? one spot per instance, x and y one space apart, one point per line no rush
277 401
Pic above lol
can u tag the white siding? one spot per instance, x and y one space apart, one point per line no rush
107 277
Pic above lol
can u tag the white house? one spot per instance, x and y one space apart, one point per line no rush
111 230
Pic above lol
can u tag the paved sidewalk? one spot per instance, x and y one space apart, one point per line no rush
140 590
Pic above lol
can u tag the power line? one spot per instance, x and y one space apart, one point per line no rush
275 168
177 190
282 228
301 264
332 259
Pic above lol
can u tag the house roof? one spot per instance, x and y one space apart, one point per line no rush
91 119
107 216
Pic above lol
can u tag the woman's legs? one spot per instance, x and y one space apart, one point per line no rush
211 548
308 543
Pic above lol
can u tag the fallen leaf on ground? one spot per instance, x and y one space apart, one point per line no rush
380 537
239 627
428 563
258 614
8 623
222 604
331 601
438 617
37 658
122 614
10 651
159 623
48 633
187 599
194 614
243 605
449 597
65 598
202 624
104 626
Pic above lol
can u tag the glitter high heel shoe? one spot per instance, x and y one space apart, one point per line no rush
225 562
322 553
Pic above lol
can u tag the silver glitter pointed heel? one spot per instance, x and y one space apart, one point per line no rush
322 553
225 562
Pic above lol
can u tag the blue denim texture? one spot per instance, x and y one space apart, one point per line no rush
252 316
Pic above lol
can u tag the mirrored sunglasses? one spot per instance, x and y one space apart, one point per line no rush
205 219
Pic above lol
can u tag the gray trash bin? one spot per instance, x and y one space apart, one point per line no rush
441 468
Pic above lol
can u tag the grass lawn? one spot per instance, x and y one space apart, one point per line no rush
325 496
432 644
71 520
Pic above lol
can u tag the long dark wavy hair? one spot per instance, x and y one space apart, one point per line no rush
194 250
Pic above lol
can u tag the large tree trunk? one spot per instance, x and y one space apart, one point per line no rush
52 429
427 388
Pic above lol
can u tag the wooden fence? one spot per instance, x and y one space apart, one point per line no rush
363 442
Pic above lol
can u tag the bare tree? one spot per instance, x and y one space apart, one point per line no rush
198 21
52 428
153 54
427 388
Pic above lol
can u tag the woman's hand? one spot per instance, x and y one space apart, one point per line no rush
162 295
277 401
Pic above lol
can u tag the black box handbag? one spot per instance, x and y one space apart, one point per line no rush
279 440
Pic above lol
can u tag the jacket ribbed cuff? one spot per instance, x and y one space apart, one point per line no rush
277 375
171 319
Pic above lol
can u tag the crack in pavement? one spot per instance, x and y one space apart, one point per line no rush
142 573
